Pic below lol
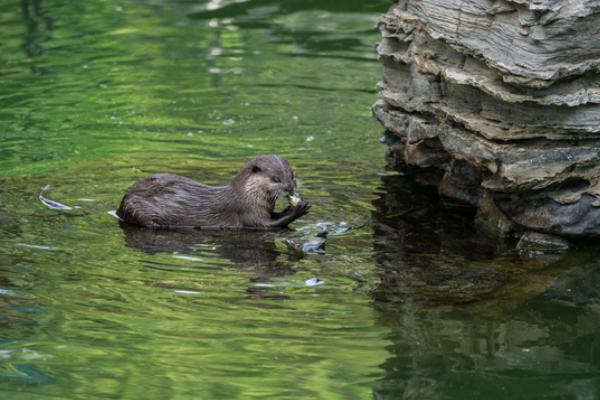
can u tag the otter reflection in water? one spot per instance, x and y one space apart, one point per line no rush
249 251
239 247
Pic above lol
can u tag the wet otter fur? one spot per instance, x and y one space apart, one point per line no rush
167 201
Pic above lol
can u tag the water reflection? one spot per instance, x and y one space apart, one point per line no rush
430 252
38 25
17 319
467 323
306 29
244 247
250 251
238 8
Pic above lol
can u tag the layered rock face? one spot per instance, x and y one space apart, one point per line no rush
501 100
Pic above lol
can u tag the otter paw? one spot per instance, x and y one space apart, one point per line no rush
302 209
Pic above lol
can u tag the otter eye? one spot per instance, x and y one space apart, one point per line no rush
275 179
256 169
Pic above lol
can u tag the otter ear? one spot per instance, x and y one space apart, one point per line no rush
256 169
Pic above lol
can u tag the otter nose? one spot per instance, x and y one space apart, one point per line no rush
290 188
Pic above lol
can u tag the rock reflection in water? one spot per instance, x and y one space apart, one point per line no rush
468 321
427 253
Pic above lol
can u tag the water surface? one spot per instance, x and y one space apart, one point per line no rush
408 300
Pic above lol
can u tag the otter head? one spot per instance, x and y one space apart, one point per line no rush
265 178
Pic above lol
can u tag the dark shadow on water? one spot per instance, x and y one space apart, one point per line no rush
38 26
469 321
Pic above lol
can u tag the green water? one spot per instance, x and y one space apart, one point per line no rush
411 302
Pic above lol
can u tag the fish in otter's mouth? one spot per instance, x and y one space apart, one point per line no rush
294 199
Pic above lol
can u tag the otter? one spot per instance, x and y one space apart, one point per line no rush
173 201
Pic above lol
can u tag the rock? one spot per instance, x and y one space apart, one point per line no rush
461 181
535 243
528 43
577 219
497 98
491 219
